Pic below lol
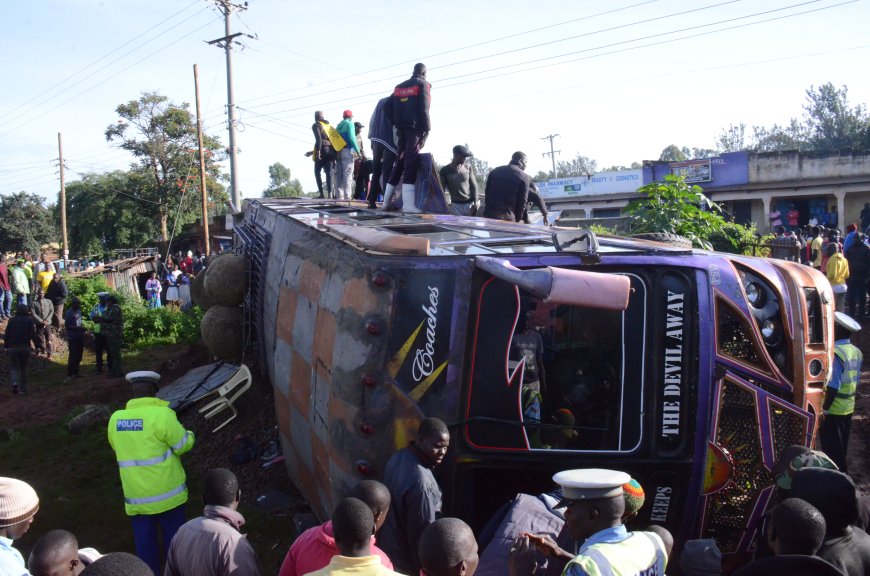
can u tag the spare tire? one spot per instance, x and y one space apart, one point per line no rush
665 238
224 282
222 329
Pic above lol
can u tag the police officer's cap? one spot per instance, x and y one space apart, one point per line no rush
144 377
846 321
102 295
590 484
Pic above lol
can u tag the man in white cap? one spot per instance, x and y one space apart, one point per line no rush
18 505
839 403
148 441
594 505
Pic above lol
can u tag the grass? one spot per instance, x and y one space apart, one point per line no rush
76 476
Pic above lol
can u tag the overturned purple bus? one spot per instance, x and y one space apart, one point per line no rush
543 349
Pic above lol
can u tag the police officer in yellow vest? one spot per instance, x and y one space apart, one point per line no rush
839 403
594 505
148 441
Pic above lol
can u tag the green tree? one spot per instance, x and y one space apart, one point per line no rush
732 139
109 211
618 167
673 154
778 138
674 207
26 223
481 170
831 124
162 138
541 176
280 184
578 166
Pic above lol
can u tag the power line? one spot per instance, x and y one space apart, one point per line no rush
475 45
98 70
101 82
103 57
630 48
544 59
630 24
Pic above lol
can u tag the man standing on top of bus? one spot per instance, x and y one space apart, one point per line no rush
324 155
409 112
507 190
594 507
839 404
415 495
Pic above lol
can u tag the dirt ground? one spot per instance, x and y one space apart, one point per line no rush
858 457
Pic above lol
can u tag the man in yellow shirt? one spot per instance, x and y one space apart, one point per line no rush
353 526
44 277
837 272
816 248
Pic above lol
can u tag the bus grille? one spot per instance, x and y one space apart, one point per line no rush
738 432
729 510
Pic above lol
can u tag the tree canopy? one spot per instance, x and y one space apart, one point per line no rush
162 137
578 166
280 184
829 123
26 223
109 211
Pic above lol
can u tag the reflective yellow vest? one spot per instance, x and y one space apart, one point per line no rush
641 554
148 441
844 403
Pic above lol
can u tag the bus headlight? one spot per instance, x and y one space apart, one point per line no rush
771 332
756 295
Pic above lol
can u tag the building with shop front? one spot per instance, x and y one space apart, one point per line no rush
759 187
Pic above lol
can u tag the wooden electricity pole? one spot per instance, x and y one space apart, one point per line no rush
202 187
62 203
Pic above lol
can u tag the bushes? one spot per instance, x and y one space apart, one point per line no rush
143 326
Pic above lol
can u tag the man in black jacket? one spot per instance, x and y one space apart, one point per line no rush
858 256
507 190
324 155
409 111
20 332
57 292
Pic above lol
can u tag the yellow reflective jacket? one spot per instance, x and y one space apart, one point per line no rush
148 441
641 554
852 359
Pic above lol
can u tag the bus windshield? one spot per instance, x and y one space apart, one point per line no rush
556 377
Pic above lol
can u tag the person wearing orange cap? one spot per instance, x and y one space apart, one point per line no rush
344 163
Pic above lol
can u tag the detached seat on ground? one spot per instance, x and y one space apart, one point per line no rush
227 395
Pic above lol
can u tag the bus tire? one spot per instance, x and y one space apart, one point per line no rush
665 238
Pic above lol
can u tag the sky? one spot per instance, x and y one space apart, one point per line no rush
618 81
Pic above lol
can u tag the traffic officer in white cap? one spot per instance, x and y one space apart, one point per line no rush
148 441
839 403
594 505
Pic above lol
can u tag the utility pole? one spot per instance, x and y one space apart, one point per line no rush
62 202
552 153
202 187
226 43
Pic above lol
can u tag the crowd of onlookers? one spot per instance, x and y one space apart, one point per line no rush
844 260
584 526
170 283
